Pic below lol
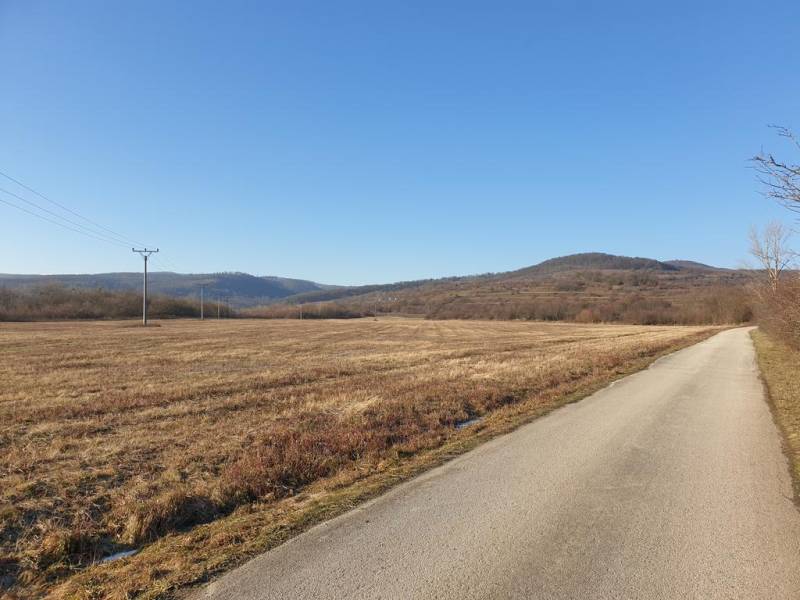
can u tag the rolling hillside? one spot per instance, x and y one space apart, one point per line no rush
585 287
240 289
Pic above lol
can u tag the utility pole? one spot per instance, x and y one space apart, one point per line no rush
201 302
145 253
219 301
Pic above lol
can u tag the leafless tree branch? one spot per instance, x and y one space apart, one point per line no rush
781 180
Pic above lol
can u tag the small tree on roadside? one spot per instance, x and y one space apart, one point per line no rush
777 293
771 249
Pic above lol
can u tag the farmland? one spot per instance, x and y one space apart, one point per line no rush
201 443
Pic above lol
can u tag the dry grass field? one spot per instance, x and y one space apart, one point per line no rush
780 369
202 443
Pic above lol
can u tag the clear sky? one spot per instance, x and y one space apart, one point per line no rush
355 142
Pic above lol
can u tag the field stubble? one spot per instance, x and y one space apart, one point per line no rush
204 443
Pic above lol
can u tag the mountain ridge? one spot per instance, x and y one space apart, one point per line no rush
244 289
241 289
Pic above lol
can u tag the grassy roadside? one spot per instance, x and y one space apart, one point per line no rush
173 564
780 368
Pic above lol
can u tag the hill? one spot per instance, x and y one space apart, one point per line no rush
584 287
691 264
240 289
596 261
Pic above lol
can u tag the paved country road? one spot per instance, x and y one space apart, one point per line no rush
671 483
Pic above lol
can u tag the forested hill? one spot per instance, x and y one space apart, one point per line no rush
240 289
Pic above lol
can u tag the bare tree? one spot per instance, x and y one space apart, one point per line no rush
771 249
781 180
777 301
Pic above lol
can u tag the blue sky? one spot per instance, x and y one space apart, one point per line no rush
355 142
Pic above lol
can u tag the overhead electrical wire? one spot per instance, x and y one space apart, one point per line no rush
123 238
83 228
164 262
37 215
98 232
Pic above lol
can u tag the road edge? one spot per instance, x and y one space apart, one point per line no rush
775 398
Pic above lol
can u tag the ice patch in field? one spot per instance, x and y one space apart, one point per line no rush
119 555
468 422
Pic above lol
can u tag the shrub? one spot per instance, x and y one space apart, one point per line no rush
320 310
174 510
778 310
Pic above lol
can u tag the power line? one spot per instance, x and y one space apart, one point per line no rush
83 227
83 230
72 212
112 237
30 212
166 263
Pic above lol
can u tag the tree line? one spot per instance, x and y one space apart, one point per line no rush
54 302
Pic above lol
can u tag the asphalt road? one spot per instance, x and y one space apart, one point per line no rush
671 483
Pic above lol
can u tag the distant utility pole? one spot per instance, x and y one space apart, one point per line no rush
201 302
219 302
145 253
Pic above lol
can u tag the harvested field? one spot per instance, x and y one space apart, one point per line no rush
202 443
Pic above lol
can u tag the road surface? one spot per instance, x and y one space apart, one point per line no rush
671 483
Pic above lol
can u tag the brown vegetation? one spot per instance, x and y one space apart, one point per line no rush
53 302
317 310
643 297
116 437
778 311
